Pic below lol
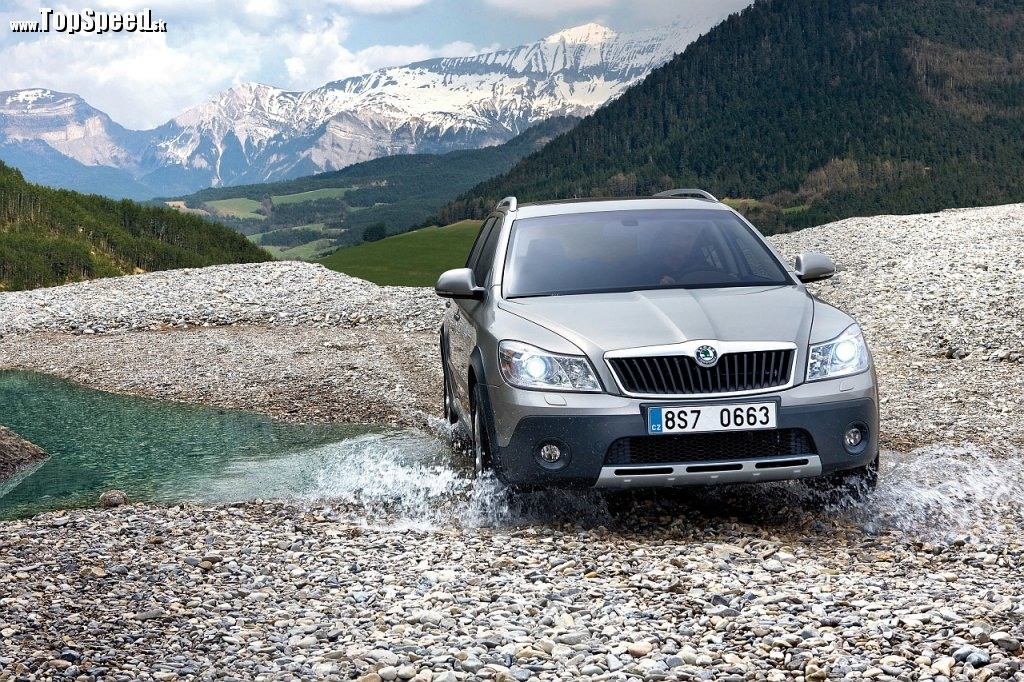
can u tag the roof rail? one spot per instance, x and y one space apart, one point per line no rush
507 201
687 193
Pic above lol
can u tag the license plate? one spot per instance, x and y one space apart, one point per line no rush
705 418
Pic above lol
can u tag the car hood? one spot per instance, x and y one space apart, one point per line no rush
603 322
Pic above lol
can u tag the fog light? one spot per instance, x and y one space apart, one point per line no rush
550 453
853 437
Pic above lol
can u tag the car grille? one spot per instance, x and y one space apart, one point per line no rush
681 375
710 447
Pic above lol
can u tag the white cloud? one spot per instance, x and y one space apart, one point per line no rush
379 6
144 79
548 9
264 8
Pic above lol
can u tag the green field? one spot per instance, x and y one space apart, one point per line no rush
320 227
308 251
413 259
740 204
312 195
237 208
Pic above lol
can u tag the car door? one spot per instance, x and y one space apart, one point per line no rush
461 317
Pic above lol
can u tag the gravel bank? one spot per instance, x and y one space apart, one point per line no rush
293 340
920 583
269 592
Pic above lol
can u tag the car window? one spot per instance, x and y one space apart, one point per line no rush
478 243
485 258
633 250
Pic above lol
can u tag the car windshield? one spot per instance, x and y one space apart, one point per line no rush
609 251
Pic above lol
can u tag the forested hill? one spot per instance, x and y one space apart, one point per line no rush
810 110
50 237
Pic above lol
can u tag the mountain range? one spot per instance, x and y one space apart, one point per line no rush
257 133
807 111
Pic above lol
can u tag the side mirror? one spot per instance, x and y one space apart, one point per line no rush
812 266
458 283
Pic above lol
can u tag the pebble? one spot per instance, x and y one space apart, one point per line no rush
639 649
1005 641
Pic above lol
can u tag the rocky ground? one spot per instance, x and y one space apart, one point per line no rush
293 340
16 454
746 584
269 592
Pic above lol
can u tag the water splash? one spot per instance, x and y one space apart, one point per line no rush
415 479
945 491
397 478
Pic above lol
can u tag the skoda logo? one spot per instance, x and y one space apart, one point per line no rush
706 356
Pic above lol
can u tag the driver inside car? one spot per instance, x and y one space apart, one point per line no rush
680 252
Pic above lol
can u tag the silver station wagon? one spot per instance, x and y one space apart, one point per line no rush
659 341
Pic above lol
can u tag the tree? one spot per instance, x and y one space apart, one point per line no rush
374 233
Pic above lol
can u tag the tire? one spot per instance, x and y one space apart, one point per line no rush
481 450
458 439
447 406
853 485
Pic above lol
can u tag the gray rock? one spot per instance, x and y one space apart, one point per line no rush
113 498
978 659
1006 641
572 638
17 454
472 665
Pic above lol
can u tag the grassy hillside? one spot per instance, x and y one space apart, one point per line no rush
414 259
50 237
814 109
395 193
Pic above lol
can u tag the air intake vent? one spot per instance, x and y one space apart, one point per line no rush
681 375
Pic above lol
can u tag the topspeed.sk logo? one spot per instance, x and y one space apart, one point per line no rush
91 21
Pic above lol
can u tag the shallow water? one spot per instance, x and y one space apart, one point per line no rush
168 452
159 451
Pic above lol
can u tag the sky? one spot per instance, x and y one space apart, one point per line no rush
143 79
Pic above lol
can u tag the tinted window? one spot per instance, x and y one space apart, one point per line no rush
485 260
478 243
631 250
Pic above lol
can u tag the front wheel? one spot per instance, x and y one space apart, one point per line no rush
482 462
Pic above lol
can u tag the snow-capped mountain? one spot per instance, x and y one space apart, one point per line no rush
258 133
66 123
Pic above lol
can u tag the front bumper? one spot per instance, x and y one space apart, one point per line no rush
596 429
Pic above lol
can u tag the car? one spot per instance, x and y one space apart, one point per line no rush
649 342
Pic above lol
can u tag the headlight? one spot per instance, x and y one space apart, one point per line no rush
526 366
844 355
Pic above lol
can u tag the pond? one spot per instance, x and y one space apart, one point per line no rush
159 451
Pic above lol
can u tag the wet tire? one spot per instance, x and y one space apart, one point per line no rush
481 450
447 406
458 439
